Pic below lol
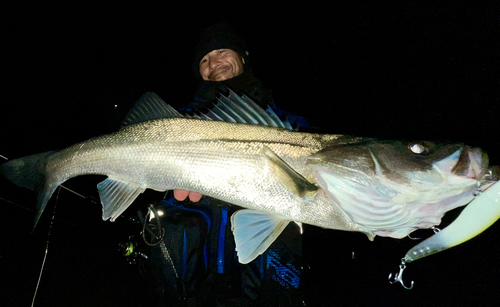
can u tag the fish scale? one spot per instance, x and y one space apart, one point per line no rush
278 175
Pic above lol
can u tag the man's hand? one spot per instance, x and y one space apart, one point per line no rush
182 195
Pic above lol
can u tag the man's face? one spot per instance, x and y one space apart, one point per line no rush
221 64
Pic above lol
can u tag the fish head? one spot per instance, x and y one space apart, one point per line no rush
403 162
406 162
394 187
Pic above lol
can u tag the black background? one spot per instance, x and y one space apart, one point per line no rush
391 69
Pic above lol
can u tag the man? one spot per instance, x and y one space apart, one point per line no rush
221 62
218 65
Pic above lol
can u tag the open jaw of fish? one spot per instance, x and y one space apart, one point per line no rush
248 157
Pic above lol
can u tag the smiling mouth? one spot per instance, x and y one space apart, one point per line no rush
218 73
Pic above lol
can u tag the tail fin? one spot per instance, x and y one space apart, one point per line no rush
29 172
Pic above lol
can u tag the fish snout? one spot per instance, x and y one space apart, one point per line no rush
472 163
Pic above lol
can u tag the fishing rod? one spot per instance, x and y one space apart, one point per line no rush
51 226
46 248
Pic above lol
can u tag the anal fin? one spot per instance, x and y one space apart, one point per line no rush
254 231
116 196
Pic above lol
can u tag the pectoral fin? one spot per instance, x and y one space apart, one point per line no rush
254 232
116 196
295 181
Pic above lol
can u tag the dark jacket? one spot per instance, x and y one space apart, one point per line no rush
246 83
201 245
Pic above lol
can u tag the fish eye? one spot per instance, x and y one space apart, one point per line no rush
417 148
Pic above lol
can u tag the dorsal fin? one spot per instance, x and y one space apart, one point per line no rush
149 107
231 109
243 110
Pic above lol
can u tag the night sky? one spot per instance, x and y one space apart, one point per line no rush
401 70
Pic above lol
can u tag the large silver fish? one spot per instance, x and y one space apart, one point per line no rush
385 188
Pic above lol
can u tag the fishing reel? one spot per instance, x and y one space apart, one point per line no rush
130 248
152 234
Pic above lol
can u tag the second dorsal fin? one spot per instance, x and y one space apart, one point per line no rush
243 110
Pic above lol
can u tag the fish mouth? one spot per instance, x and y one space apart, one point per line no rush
472 164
